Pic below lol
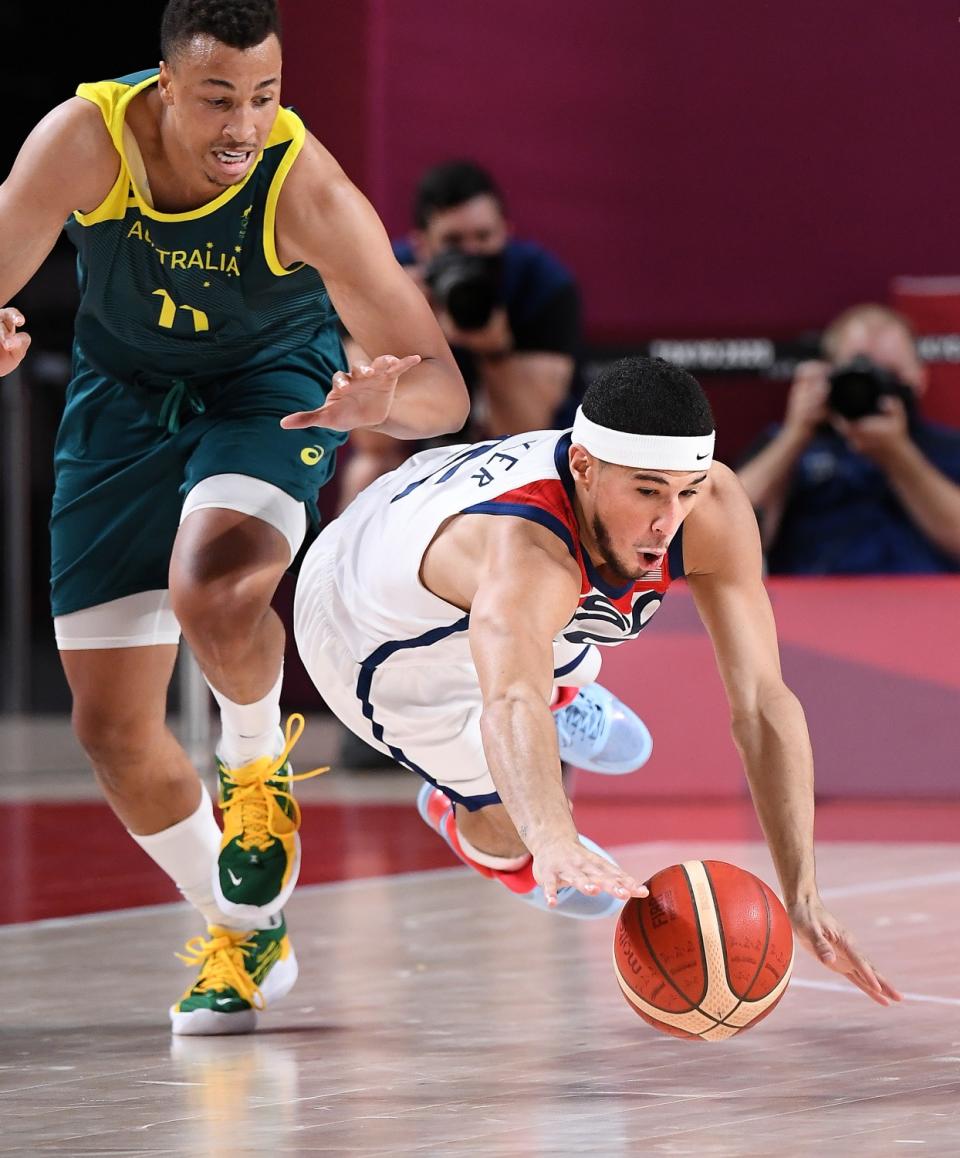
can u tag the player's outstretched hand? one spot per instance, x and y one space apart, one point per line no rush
832 945
362 397
563 863
13 346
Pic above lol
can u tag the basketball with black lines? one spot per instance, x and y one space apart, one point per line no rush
707 954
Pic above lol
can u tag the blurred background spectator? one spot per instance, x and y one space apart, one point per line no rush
855 480
509 308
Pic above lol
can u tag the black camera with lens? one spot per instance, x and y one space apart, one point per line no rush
857 387
467 285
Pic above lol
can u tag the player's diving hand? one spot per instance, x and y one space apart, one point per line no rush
562 862
13 346
832 945
362 397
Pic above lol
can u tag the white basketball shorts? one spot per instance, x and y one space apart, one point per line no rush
401 701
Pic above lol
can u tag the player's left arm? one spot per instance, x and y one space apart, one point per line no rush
723 560
411 388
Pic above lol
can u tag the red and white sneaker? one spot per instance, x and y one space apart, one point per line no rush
437 811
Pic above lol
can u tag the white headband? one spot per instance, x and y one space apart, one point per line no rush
656 451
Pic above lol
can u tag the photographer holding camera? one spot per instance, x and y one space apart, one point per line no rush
508 308
855 480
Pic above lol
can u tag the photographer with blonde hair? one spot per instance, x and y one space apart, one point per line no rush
855 480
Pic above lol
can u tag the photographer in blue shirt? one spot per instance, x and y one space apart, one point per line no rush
508 308
855 481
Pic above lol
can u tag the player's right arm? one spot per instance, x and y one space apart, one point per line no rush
527 589
67 163
412 387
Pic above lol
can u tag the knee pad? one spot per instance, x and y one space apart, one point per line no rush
254 497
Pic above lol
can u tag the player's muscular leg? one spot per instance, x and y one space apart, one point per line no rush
119 705
224 571
490 830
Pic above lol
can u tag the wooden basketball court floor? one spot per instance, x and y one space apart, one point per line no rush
436 1015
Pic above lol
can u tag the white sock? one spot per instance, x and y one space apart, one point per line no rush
506 864
249 730
187 852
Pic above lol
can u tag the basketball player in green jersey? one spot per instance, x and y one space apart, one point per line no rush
218 242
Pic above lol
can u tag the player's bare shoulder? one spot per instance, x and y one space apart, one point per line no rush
69 158
316 198
523 546
470 549
315 172
720 534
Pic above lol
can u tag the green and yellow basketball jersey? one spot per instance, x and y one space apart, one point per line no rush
195 294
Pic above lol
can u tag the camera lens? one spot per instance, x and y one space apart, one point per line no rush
856 388
466 285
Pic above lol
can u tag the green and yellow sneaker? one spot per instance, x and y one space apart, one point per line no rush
259 859
240 972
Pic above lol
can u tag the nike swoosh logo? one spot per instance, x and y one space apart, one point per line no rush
236 880
224 1001
700 456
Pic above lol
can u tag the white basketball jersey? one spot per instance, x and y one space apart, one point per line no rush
373 590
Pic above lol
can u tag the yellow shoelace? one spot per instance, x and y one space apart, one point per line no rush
221 964
256 800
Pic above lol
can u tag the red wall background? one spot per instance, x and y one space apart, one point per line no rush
704 168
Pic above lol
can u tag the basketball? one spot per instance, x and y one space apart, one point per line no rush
707 954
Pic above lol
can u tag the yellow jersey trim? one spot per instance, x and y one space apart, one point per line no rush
298 135
112 99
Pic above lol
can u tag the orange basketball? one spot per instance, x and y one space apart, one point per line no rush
707 954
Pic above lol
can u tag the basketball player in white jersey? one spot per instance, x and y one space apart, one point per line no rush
456 600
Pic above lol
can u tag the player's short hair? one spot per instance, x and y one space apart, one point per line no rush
871 313
642 395
451 184
239 23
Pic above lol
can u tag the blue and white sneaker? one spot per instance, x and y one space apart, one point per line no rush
600 733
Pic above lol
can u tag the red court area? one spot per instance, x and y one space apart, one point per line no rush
74 857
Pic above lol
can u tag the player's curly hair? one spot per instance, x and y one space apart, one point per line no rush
648 396
239 23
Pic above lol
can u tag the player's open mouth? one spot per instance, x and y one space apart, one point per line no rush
233 160
651 558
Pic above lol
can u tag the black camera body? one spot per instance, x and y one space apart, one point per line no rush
857 387
467 285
